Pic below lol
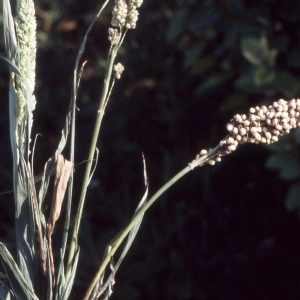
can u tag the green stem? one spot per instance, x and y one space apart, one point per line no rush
116 242
87 173
121 236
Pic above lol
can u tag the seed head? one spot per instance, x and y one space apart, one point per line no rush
25 23
118 68
262 125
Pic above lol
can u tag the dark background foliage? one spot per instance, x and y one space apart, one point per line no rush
225 232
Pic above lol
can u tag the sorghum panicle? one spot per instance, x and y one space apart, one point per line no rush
26 35
262 125
119 13
125 13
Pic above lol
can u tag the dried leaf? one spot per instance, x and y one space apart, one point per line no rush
62 174
63 169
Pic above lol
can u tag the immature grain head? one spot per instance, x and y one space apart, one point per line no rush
26 35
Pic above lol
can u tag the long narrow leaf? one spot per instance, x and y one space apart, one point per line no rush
20 143
68 284
5 292
129 242
20 286
9 32
76 81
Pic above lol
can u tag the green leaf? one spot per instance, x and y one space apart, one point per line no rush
20 286
263 75
130 239
253 49
287 164
292 200
64 286
257 51
5 292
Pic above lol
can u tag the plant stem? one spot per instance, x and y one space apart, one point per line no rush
115 243
87 173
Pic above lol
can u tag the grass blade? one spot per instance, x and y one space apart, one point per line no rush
20 286
130 239
5 292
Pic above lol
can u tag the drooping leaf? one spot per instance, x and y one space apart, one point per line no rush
62 175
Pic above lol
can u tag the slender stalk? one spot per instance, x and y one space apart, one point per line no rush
121 236
86 178
116 242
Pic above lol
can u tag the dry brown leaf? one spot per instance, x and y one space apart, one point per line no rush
63 169
62 175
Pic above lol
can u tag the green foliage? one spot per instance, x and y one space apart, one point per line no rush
19 284
240 51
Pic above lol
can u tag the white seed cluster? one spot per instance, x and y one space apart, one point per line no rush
113 36
125 13
118 69
119 13
262 125
26 35
133 14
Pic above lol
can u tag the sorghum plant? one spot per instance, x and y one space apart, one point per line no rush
34 275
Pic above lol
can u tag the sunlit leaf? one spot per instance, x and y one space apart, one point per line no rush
253 49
